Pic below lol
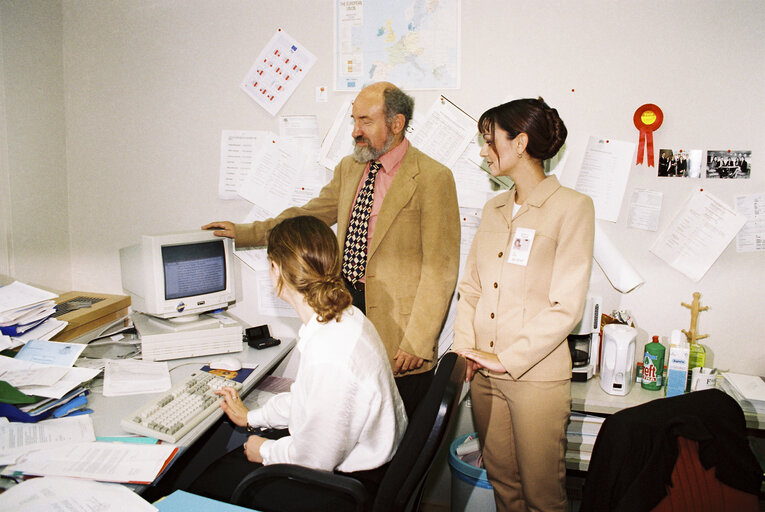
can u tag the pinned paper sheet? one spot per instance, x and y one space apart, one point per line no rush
698 234
621 274
604 173
277 72
444 133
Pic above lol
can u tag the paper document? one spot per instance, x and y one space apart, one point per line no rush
108 462
45 331
50 352
645 208
620 273
274 176
73 378
17 438
269 303
71 495
37 382
444 133
751 238
470 219
472 181
35 376
277 72
698 234
134 377
338 142
28 317
603 176
238 152
18 295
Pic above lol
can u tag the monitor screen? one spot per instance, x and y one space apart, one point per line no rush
179 275
194 269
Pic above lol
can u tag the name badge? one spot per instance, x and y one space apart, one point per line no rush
521 247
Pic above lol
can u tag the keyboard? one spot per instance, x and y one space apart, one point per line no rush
173 415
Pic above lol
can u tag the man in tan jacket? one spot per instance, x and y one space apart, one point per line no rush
413 234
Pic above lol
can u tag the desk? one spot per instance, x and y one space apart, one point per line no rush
588 397
108 411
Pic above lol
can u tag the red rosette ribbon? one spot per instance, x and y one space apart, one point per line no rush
647 119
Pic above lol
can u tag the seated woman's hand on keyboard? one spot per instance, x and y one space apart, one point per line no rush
233 406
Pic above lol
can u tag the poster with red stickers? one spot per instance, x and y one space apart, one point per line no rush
277 72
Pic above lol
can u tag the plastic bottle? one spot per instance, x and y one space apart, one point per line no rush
653 365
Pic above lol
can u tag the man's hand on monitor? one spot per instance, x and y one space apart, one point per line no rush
222 228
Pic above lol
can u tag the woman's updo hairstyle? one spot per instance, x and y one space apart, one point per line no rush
535 118
305 250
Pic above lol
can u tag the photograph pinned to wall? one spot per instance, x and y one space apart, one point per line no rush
730 164
679 163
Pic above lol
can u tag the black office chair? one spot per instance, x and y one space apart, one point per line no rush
635 465
290 488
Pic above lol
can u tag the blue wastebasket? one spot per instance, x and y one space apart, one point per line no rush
471 489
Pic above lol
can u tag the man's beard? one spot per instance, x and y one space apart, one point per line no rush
367 153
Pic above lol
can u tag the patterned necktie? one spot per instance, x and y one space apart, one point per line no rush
355 251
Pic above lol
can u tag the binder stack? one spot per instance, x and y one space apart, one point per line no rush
26 313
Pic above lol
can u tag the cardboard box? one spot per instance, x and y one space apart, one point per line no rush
87 312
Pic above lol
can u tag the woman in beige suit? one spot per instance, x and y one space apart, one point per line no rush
522 292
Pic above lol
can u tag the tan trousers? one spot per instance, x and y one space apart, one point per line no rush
522 428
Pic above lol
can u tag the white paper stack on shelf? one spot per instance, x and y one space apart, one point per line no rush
581 433
748 390
26 313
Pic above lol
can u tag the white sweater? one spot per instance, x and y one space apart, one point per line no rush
343 411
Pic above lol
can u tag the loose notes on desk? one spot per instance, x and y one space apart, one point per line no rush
51 352
13 369
108 462
133 377
26 313
17 297
17 439
71 495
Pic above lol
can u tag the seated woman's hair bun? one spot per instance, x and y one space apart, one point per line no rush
306 251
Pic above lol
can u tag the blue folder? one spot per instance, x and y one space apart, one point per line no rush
182 501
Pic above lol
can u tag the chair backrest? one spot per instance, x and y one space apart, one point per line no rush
636 450
404 479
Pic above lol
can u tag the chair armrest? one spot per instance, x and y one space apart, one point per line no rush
292 488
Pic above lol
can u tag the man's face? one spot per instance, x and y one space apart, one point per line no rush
372 137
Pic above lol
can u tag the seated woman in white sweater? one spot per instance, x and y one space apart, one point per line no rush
343 411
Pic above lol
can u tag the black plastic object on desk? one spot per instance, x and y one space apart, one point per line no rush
260 337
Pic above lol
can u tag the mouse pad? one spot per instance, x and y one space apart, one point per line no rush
236 376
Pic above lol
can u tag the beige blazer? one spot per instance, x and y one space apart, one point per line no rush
525 313
413 257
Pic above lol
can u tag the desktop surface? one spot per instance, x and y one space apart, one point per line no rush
109 411
589 397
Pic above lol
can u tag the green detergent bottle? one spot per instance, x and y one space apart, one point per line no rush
653 365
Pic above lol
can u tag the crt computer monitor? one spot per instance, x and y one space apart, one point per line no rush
178 276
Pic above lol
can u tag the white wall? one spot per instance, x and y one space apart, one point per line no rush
34 229
149 85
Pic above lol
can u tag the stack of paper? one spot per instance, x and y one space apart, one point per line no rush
72 494
748 390
44 380
107 462
581 433
26 313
